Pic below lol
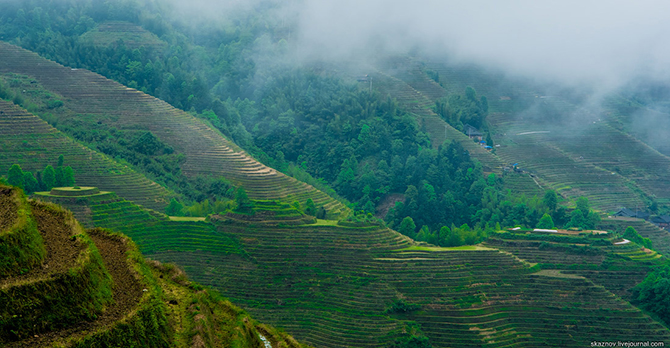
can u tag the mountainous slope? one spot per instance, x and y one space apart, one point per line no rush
206 151
93 289
574 161
334 284
32 143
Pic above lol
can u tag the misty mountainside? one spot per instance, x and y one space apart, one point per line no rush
355 185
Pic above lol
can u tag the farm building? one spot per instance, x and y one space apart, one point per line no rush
472 132
625 212
662 221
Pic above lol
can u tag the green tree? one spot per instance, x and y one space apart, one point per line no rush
633 235
546 222
653 294
242 200
59 177
30 182
15 176
550 200
583 205
407 227
49 177
174 208
577 219
310 207
60 161
68 176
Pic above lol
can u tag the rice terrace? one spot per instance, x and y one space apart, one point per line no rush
271 174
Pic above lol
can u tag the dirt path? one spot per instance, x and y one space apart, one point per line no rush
61 250
127 291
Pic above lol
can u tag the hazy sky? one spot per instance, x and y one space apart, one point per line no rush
603 42
569 40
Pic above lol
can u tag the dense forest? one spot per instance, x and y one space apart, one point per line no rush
306 121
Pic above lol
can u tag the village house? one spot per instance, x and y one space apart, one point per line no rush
662 221
472 132
625 212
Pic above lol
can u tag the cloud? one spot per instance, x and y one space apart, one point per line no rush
569 41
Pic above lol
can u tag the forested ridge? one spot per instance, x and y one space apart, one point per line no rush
472 254
301 120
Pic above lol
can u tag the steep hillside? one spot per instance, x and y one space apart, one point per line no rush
540 134
206 152
338 285
32 143
93 289
108 33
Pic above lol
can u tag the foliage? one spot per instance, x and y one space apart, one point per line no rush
413 337
459 110
310 207
21 246
550 200
653 294
15 176
242 201
632 235
401 306
546 222
50 178
407 227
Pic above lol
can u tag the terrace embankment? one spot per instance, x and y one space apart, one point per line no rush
336 285
29 141
206 151
94 289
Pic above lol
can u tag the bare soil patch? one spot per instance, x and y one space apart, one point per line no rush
127 292
61 250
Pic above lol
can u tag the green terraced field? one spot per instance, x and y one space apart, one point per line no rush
151 231
575 163
206 151
331 285
27 140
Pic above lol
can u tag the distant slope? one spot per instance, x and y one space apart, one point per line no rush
575 161
207 152
29 141
131 35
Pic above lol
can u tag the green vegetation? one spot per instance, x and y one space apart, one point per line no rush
294 252
459 110
41 181
94 289
21 245
631 234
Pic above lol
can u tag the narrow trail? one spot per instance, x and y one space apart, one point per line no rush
61 251
127 292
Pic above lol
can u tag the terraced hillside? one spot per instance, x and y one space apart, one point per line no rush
574 161
335 285
659 237
420 106
131 35
29 141
151 231
92 288
206 151
617 267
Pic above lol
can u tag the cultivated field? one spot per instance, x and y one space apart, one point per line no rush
27 140
206 151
